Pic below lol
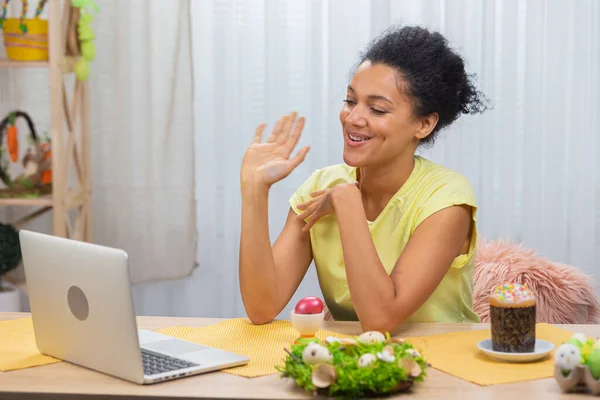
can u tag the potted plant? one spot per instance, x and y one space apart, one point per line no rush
10 258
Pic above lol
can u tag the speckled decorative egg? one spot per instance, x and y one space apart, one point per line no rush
371 337
314 353
366 359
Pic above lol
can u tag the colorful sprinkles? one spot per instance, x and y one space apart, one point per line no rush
513 293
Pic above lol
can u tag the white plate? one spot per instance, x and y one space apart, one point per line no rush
541 350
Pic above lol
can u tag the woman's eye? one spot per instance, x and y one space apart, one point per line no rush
374 110
378 112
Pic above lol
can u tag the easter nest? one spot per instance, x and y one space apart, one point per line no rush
368 365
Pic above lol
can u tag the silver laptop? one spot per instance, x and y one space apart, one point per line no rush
82 312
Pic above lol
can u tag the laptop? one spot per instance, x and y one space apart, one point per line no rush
82 312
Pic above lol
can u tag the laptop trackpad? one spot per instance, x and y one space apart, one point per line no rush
174 346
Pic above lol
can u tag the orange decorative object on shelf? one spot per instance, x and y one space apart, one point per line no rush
35 177
47 174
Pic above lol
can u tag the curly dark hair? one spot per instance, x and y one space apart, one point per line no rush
433 75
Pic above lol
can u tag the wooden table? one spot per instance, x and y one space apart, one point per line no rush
68 381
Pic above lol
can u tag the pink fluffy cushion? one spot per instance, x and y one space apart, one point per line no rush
565 295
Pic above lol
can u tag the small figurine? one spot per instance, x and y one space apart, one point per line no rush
567 357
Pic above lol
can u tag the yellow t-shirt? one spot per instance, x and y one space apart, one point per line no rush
429 188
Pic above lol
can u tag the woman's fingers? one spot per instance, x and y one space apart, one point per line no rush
319 193
281 133
316 196
286 128
277 129
309 211
292 140
259 132
308 203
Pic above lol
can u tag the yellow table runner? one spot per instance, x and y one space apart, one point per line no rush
457 354
262 344
17 346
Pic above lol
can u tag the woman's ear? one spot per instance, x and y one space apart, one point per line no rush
428 124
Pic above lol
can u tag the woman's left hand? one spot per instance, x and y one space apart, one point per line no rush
321 204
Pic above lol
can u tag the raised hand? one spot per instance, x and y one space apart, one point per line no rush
269 162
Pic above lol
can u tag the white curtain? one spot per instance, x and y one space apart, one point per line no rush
142 135
531 159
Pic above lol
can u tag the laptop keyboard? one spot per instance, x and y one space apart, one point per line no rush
156 363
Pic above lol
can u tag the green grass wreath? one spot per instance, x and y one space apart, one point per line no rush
368 365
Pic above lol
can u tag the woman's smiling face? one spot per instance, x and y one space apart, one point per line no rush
377 118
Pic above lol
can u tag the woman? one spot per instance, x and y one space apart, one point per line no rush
392 234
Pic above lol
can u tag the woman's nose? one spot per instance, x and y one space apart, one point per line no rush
356 117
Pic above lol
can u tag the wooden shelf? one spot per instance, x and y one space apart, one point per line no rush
67 65
45 200
73 198
6 63
69 130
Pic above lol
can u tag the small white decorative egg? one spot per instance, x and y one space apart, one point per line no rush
567 356
371 337
314 353
366 359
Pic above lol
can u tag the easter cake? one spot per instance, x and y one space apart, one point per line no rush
512 317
